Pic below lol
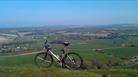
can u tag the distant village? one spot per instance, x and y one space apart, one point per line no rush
103 34
72 34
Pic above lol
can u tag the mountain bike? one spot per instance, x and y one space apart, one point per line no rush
66 60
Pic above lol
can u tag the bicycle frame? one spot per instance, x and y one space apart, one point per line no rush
59 60
49 51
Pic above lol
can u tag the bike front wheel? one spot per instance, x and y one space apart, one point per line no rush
43 60
72 60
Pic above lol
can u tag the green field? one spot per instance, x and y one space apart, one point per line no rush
56 72
24 66
123 52
84 48
17 61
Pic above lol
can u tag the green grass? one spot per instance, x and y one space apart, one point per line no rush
118 72
16 72
23 66
123 52
133 66
56 72
97 43
17 61
132 40
92 55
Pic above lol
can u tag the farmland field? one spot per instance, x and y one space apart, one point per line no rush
103 56
112 52
123 52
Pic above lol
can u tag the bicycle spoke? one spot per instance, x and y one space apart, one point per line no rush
73 60
43 61
40 58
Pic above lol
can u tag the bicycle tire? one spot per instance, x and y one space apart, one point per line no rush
43 63
68 63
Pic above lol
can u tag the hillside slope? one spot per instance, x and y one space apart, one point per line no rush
56 72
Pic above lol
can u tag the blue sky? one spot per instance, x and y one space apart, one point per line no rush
67 12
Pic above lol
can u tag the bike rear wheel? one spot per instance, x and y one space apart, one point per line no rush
43 60
72 60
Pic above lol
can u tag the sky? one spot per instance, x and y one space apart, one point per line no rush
16 13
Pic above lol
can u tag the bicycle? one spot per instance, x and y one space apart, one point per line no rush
66 60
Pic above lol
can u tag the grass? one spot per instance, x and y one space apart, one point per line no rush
123 52
89 55
23 66
118 72
133 66
51 72
57 72
17 61
97 43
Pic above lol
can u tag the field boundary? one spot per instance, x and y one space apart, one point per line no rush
22 54
43 51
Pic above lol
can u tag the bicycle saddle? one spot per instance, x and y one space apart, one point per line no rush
66 43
